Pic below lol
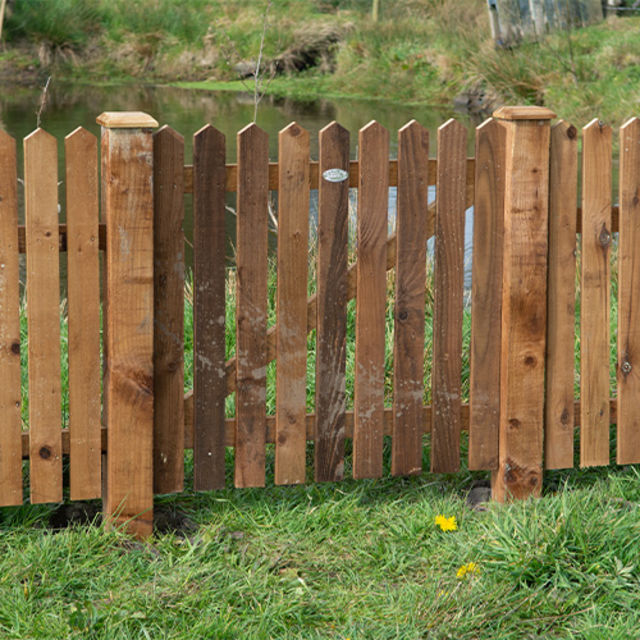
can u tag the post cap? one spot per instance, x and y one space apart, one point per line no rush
524 113
126 120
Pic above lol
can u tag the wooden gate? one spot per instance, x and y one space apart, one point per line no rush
520 385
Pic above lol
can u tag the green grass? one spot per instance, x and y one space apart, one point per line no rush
420 51
353 560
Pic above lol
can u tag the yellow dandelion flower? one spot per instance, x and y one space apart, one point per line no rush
446 524
465 569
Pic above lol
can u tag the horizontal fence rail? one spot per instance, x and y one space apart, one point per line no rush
521 412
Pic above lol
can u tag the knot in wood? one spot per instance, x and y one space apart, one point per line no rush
626 367
403 315
604 238
44 453
15 348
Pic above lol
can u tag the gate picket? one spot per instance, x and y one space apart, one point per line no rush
448 289
83 291
251 315
43 315
373 195
209 346
10 388
594 304
291 328
411 238
486 296
628 284
333 229
168 298
563 195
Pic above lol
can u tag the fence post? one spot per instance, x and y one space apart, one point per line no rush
127 200
524 301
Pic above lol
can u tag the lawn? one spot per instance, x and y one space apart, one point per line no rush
351 560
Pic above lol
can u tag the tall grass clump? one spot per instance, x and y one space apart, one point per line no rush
63 23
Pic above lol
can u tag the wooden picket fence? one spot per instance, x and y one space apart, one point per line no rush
523 184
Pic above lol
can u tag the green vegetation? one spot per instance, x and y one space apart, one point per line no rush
420 51
354 560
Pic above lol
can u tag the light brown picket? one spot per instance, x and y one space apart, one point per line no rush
563 194
209 256
373 189
43 315
168 296
10 390
251 314
448 289
486 296
333 211
628 303
291 328
83 292
594 304
411 273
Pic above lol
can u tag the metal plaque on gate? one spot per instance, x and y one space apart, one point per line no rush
335 175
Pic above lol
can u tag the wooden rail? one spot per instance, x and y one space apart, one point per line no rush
230 425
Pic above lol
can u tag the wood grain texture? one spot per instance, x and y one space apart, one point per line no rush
373 202
594 305
390 256
291 328
230 425
83 293
486 296
448 303
128 205
126 120
251 313
411 274
331 340
524 314
353 169
43 315
209 249
628 442
524 113
10 389
168 310
563 195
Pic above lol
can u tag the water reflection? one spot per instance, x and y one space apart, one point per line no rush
70 106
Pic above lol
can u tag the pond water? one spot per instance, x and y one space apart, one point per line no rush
70 106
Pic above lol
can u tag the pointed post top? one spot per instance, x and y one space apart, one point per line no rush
39 134
524 113
564 128
126 120
6 138
252 129
412 125
79 133
167 132
333 126
630 123
293 129
595 127
373 126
